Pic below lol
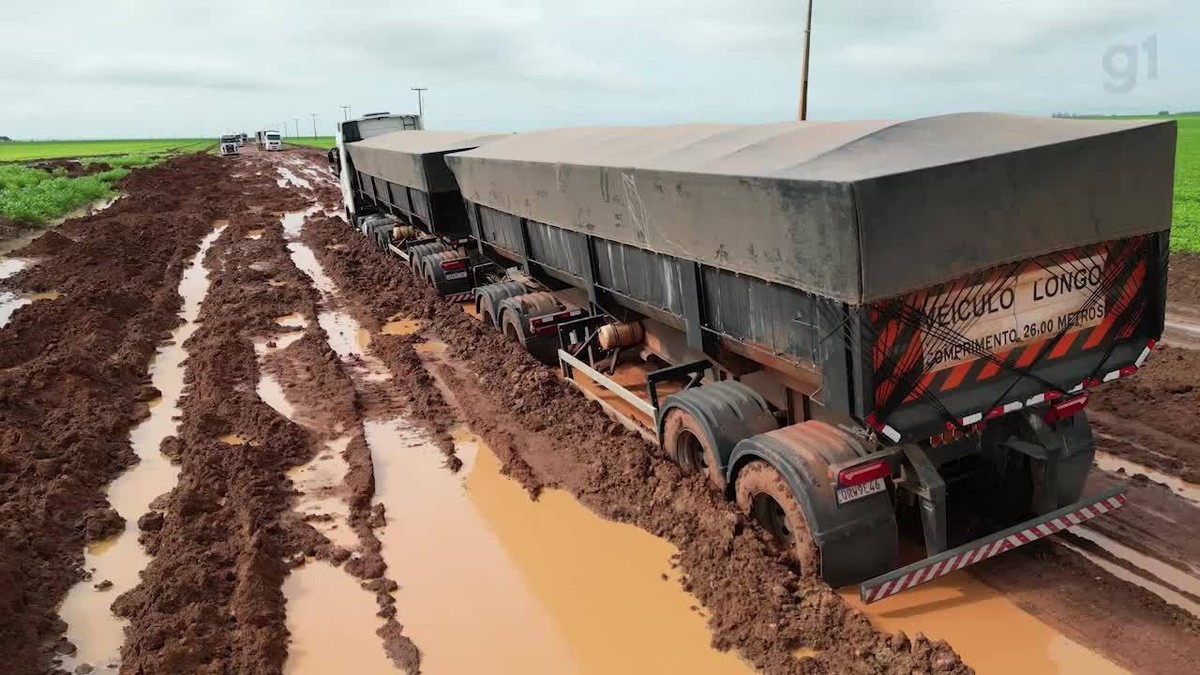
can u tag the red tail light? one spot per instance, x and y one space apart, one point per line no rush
864 473
454 265
1064 409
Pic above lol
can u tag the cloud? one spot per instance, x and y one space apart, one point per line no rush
189 67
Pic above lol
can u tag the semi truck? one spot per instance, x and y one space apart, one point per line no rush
269 140
859 331
229 145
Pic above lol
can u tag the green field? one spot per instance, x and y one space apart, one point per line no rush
1185 229
20 151
321 142
1186 234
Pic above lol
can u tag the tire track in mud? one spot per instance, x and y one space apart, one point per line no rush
549 436
74 381
210 599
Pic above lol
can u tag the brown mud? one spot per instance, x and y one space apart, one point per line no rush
73 381
547 435
1153 417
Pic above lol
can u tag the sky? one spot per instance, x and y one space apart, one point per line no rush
176 68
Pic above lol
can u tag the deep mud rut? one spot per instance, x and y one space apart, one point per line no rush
358 464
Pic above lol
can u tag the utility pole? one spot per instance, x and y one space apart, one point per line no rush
804 73
297 121
314 116
345 111
420 105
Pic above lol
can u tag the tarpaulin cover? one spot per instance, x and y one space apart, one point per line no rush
856 211
414 158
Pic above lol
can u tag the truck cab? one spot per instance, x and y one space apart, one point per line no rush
272 140
229 145
351 131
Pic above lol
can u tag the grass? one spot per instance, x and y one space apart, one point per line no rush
21 151
1185 235
320 142
34 196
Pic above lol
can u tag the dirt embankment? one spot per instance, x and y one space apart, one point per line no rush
1153 417
548 435
73 381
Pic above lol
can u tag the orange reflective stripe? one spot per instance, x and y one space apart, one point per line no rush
956 376
1030 353
992 367
1114 313
1064 344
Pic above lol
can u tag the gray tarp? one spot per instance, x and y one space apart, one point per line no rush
858 211
414 158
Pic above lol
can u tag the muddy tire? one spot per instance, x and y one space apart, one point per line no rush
686 443
764 496
541 348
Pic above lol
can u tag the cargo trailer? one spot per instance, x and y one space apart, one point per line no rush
852 328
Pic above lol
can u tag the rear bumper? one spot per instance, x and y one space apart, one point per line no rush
902 579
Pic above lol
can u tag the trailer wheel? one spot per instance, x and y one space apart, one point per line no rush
541 348
686 444
764 496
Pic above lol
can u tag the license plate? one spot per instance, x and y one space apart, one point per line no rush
451 276
849 494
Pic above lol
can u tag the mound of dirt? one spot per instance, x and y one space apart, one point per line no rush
46 245
71 167
72 379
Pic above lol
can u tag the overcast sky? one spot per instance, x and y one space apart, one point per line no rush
160 68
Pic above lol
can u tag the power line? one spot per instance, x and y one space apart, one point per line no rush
314 116
345 111
297 121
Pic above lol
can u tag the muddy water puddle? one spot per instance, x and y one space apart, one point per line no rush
287 177
10 266
1117 465
92 627
400 325
11 302
524 582
1173 585
971 616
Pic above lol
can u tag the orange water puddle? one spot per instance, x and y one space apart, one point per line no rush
989 631
400 325
600 581
530 586
91 625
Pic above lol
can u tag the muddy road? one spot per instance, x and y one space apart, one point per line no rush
235 438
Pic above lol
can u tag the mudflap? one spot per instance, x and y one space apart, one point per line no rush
857 540
944 563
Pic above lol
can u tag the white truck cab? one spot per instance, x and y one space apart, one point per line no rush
272 140
229 145
364 127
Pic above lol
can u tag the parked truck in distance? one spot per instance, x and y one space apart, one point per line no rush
268 140
228 145
855 330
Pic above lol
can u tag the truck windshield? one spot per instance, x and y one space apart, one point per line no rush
272 137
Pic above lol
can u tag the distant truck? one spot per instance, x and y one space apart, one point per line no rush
269 140
853 329
229 145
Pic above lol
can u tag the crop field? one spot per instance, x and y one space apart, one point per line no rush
1186 235
20 151
319 142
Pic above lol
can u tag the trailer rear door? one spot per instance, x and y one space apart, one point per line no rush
995 342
